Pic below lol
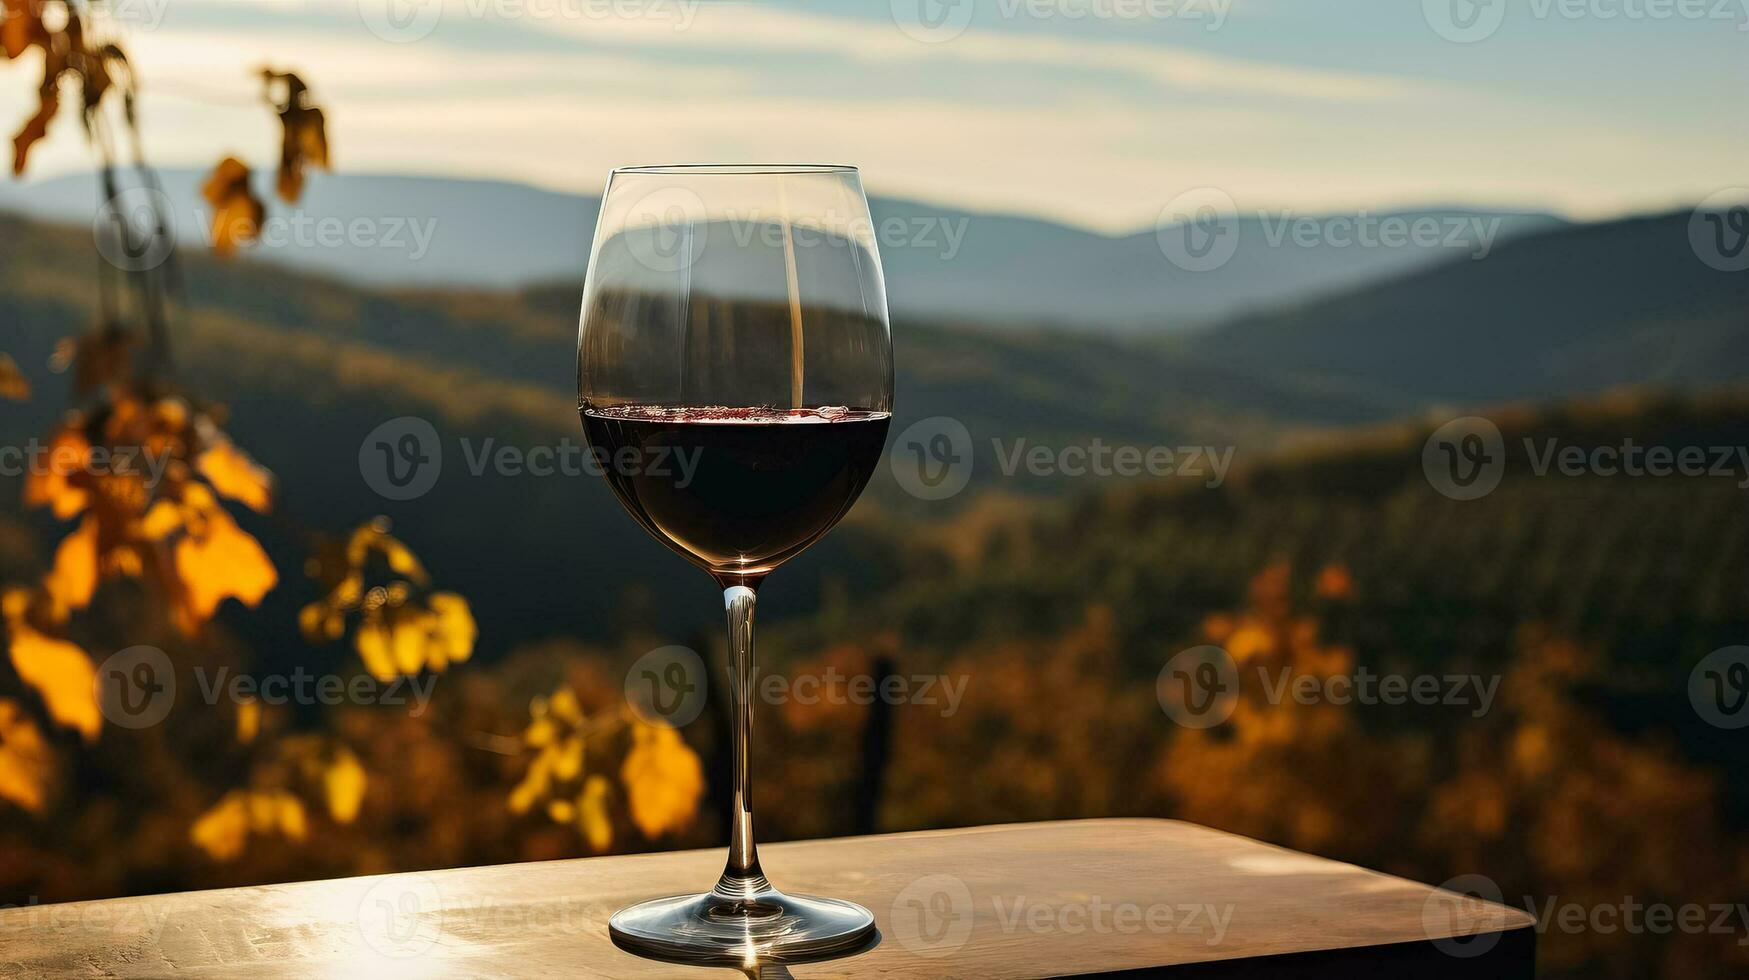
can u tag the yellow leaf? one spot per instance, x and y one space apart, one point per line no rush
592 817
411 635
372 642
344 784
222 562
222 830
663 780
236 476
540 733
568 759
74 578
533 786
564 706
68 451
289 815
455 631
561 811
311 620
25 762
162 520
401 559
62 674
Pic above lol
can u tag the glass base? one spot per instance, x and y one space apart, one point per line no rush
762 926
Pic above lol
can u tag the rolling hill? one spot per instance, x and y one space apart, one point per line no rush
999 269
1582 308
308 366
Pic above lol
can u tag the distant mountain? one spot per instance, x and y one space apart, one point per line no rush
1573 310
940 262
309 365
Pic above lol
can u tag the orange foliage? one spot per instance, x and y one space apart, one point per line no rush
663 780
13 384
236 212
1327 779
26 762
662 777
132 469
404 626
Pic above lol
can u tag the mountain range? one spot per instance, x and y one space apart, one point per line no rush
999 269
309 365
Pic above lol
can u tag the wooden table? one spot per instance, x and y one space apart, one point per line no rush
1107 898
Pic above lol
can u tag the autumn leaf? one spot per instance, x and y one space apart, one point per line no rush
52 484
401 559
305 142
26 764
343 785
48 103
13 384
73 579
374 643
663 780
278 811
534 784
223 830
62 673
568 759
217 560
453 630
233 474
237 214
592 816
411 638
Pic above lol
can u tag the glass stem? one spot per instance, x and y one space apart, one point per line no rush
742 878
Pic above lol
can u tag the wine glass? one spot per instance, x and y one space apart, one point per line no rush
735 379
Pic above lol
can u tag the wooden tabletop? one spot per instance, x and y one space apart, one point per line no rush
1131 898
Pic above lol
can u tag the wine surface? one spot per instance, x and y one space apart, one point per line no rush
737 490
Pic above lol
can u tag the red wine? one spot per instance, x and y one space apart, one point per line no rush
737 490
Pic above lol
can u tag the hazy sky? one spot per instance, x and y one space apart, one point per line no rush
1092 111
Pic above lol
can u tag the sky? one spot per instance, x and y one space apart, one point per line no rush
1098 113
